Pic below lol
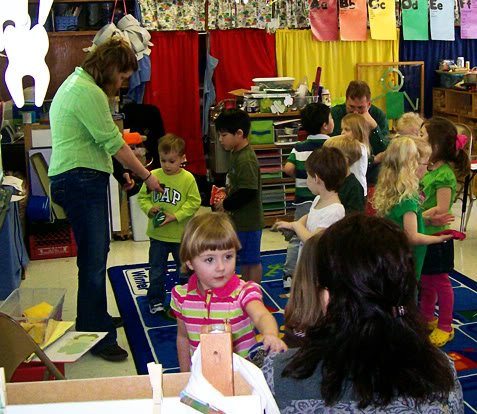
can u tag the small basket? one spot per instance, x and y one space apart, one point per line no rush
449 79
66 23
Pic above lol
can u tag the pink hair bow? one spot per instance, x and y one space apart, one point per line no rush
460 141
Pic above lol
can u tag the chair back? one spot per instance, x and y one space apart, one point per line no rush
16 345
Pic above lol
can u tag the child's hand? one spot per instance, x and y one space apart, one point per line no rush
169 218
282 225
378 158
129 184
272 343
444 237
442 219
152 212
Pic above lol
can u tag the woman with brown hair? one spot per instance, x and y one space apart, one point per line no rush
364 345
84 137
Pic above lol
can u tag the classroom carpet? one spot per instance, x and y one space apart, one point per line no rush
153 337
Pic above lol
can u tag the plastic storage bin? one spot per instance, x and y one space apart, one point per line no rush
449 79
23 298
261 132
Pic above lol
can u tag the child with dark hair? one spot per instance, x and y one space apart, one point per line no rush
244 190
317 121
448 160
326 170
367 348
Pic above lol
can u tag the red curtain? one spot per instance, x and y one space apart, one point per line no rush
243 54
174 88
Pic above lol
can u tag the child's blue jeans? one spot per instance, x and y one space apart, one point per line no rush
158 254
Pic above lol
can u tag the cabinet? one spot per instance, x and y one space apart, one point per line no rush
278 190
458 106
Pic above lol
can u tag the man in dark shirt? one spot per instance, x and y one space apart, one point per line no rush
358 100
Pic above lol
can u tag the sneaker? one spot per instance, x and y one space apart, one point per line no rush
287 281
439 338
432 324
112 353
155 307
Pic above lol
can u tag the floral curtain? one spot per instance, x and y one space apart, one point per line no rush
173 14
224 14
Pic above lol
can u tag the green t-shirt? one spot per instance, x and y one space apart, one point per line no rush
180 197
442 177
351 195
244 172
397 215
82 129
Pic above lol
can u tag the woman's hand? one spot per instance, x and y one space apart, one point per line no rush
153 184
273 343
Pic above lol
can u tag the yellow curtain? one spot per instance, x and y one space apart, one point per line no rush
298 55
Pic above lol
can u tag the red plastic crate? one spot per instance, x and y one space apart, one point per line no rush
52 242
34 371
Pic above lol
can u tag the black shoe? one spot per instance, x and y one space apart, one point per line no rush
113 353
117 321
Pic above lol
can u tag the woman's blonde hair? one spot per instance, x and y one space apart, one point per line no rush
348 146
107 60
209 231
359 128
397 179
304 307
409 124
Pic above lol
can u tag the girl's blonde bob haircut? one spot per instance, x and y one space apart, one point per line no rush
209 231
350 147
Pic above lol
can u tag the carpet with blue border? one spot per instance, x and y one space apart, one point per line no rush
153 337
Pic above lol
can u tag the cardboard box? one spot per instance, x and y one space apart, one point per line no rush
134 392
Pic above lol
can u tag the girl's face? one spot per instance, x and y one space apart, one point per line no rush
422 167
346 130
214 268
423 133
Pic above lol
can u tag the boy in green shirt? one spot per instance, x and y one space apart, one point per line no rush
168 214
244 190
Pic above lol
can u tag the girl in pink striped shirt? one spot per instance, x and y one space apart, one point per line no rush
215 294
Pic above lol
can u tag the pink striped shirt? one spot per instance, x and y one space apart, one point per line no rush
216 306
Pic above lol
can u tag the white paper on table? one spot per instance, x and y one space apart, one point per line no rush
72 346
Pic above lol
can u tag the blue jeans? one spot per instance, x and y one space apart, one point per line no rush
294 243
158 253
83 194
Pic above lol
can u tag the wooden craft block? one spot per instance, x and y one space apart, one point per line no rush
217 362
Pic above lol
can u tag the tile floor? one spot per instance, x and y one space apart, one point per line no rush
62 273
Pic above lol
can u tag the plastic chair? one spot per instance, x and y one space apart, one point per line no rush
464 191
16 345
